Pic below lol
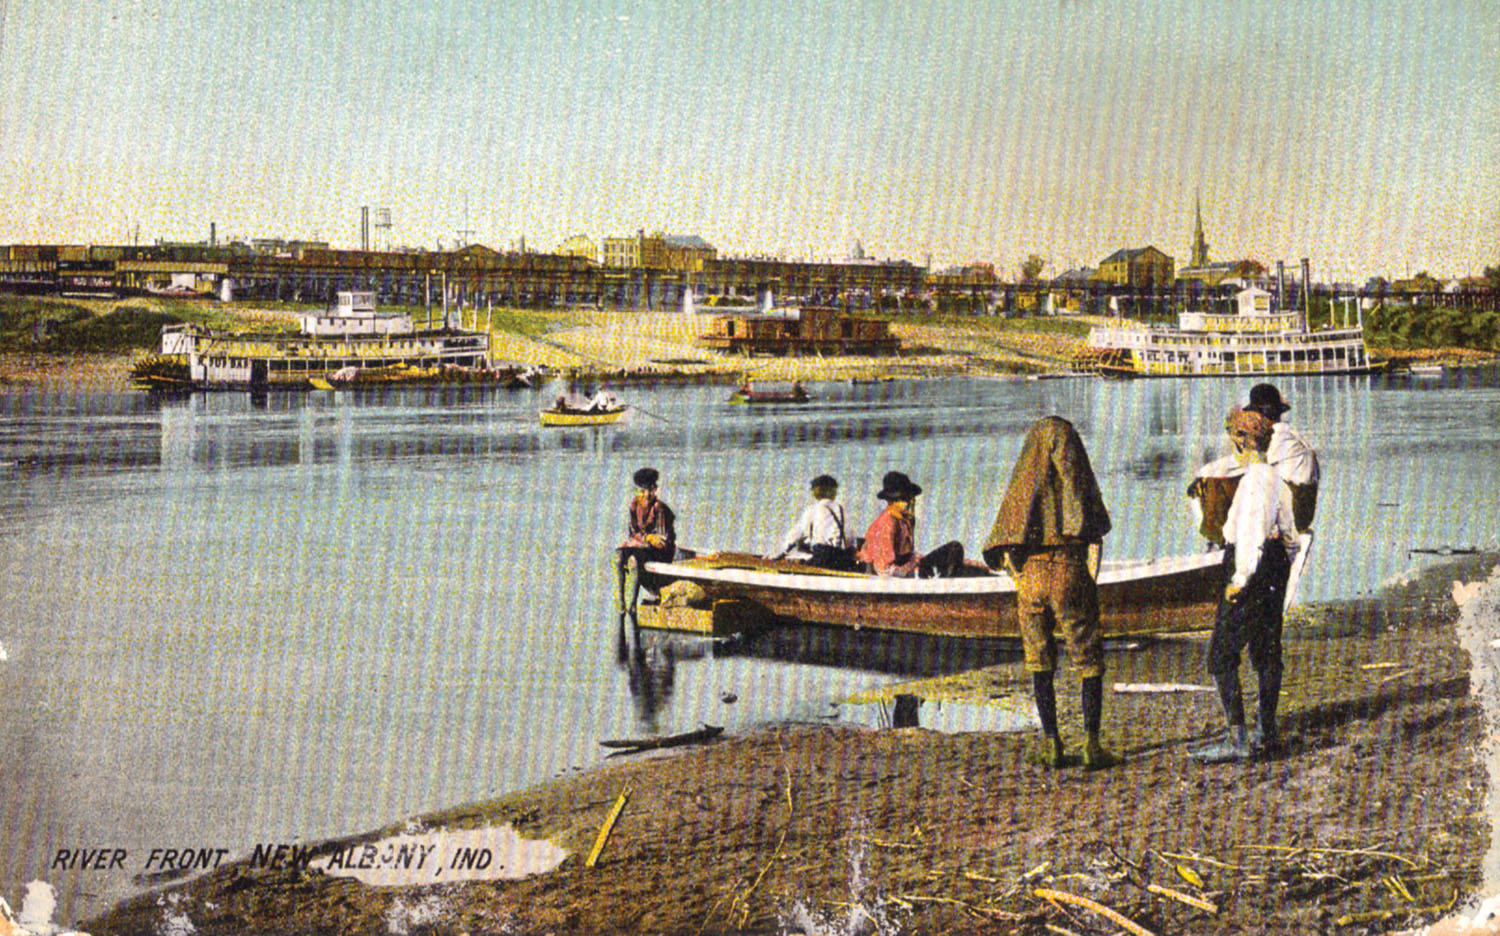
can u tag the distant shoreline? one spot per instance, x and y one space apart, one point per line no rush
601 346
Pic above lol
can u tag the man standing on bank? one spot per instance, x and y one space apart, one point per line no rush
1049 535
1259 534
1291 456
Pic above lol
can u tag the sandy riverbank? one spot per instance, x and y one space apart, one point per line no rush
1372 820
56 372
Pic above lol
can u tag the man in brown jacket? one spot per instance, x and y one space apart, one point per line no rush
1049 534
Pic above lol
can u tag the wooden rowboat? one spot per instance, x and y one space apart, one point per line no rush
553 417
1136 597
752 397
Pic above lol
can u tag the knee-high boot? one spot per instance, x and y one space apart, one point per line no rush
1050 752
1235 746
1266 733
1095 757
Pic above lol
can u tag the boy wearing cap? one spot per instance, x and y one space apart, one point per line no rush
890 543
652 532
819 536
1259 534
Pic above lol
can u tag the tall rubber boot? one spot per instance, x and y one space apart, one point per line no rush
1095 757
1050 752
1235 746
1266 736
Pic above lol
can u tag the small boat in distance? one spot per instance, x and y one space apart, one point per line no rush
555 417
1426 370
746 395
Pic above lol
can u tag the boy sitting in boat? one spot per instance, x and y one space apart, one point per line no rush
819 537
651 534
890 543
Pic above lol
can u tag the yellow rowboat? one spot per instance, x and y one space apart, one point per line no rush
552 417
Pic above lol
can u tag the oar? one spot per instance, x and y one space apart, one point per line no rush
651 414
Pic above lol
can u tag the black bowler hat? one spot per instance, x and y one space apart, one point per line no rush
824 481
1266 400
897 486
646 478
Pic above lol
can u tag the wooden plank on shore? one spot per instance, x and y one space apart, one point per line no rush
606 828
704 733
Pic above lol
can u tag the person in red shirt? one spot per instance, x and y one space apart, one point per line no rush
890 543
651 534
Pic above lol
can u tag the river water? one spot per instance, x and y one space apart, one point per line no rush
228 620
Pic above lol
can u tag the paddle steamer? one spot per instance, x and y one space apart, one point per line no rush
332 346
1251 339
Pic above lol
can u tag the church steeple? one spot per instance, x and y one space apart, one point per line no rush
1200 246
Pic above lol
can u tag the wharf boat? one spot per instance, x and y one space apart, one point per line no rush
554 417
741 592
349 339
1253 340
745 395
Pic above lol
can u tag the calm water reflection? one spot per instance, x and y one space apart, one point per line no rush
231 620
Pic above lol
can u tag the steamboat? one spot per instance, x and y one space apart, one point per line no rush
335 346
1250 339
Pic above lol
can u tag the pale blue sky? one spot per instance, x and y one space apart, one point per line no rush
1363 135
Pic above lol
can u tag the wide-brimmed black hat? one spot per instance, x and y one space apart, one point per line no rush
824 481
897 486
1266 400
645 478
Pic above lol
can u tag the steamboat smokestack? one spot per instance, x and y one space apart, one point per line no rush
1306 291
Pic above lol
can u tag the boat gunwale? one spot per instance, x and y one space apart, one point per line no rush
1115 572
560 419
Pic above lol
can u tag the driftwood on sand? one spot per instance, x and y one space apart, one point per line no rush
631 745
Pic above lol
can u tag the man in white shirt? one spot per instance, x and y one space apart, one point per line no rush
603 401
819 536
1289 453
1259 534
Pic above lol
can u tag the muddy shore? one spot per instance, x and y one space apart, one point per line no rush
1372 819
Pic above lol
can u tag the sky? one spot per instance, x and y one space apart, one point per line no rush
1364 135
